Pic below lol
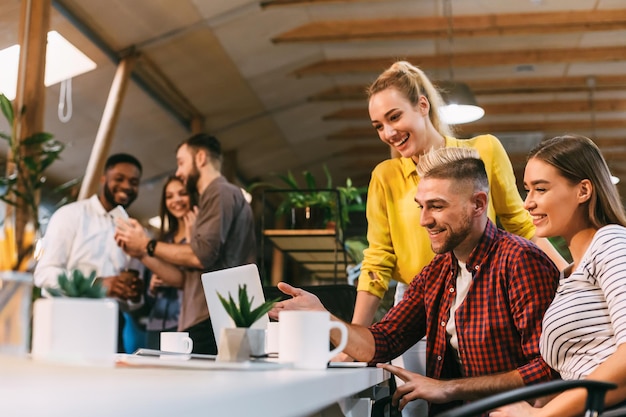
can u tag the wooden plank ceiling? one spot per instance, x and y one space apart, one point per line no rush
282 82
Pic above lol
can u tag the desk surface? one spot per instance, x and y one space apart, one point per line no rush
29 388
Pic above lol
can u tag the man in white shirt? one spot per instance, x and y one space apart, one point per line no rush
80 235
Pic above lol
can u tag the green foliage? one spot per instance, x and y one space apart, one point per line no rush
241 313
78 286
355 247
31 157
309 194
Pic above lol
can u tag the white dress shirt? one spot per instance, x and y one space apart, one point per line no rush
80 236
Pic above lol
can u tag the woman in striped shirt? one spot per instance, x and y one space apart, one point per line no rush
570 194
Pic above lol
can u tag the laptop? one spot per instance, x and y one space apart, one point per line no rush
227 281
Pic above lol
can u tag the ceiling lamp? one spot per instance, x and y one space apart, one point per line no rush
63 61
460 104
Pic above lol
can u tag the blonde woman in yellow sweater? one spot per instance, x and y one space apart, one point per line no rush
403 108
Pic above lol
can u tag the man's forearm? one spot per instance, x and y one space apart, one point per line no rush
179 254
170 274
361 345
469 389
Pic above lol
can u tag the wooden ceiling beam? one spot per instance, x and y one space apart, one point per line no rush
472 129
557 126
496 86
468 60
274 3
471 26
517 107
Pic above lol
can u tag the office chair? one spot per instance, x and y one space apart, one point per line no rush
595 398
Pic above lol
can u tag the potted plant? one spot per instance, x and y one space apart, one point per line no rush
311 207
27 160
76 324
20 184
240 343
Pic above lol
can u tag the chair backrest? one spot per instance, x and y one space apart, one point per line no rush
338 299
595 397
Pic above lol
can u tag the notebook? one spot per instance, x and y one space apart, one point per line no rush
227 281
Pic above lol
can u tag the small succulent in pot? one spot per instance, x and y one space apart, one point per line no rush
78 286
242 313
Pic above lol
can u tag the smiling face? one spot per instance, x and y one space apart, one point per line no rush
177 199
446 213
120 185
398 122
556 205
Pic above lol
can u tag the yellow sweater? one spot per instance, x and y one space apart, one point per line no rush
398 246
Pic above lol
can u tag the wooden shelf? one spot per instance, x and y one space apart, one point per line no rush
318 250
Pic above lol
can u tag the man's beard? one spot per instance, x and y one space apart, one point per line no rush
455 238
110 198
192 180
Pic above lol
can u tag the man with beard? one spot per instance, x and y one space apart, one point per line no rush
80 235
479 303
222 236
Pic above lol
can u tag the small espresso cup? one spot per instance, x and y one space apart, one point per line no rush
304 338
178 342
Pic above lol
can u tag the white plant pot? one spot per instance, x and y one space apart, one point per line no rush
237 344
75 330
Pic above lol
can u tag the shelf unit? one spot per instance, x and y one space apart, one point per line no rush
319 251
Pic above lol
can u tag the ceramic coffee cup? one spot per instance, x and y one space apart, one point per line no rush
304 338
178 342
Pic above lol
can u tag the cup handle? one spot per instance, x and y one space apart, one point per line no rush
344 338
188 344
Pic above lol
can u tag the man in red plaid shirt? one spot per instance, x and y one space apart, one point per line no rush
479 303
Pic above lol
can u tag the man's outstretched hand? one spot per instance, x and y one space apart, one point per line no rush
301 300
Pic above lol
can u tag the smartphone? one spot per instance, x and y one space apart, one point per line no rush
119 213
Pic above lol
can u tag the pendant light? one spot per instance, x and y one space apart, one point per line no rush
460 104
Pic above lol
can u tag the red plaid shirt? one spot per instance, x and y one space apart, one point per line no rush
499 323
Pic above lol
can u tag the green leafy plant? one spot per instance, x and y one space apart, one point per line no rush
241 313
78 286
27 160
309 194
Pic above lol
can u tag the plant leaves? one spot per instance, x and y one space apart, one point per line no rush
7 108
261 310
241 314
37 139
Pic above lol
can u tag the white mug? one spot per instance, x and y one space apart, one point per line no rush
178 342
271 338
304 338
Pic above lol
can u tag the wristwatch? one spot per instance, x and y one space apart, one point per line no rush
151 246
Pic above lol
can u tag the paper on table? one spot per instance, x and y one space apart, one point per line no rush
162 353
164 361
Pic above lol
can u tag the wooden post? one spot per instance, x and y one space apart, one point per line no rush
104 137
29 103
197 125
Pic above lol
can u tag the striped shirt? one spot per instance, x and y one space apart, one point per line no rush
499 322
587 318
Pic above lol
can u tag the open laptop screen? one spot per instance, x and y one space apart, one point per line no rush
227 281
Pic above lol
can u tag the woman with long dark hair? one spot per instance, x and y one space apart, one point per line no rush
177 218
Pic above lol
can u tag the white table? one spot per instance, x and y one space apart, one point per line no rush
29 388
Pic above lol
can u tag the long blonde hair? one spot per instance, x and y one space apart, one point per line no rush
412 83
